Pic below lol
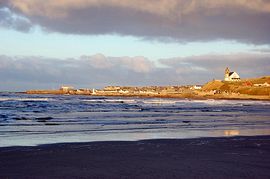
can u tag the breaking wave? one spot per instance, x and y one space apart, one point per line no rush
35 119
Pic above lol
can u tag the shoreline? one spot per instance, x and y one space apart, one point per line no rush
246 89
217 97
172 96
222 157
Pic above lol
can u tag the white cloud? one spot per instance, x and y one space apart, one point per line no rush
21 73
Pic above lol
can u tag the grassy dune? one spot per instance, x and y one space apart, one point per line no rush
245 86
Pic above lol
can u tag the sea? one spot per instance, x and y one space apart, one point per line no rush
29 120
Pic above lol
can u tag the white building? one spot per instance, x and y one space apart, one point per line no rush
66 88
231 76
196 87
262 85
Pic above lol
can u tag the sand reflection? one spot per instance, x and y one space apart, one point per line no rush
231 132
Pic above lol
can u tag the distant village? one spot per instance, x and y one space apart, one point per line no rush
128 90
230 85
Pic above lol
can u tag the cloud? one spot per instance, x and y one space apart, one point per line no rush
96 71
246 64
138 64
86 71
262 50
13 21
181 20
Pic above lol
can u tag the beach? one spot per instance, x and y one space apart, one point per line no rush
73 136
134 89
231 157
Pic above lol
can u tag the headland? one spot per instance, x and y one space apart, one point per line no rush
245 89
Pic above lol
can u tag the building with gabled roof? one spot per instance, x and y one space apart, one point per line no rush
231 76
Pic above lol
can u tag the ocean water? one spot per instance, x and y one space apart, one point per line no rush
43 119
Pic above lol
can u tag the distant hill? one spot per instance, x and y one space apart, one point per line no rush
252 86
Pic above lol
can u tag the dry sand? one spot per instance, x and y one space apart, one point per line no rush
236 157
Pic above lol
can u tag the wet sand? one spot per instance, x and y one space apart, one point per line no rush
234 157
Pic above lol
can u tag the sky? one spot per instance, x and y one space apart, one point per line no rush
96 43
